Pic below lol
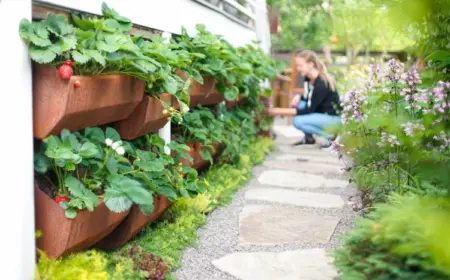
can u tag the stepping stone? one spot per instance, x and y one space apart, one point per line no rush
310 158
308 264
306 149
308 199
307 167
293 179
275 225
288 131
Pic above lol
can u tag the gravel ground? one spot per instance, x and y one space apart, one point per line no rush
220 235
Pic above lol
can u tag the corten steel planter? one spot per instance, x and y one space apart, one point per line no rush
100 99
197 91
62 236
147 117
133 224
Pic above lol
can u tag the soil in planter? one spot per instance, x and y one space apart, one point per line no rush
62 236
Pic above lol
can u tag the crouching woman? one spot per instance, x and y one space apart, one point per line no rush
319 107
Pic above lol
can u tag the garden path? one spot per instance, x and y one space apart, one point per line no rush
282 225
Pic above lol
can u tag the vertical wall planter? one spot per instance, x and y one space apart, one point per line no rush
62 236
197 91
147 117
133 224
100 99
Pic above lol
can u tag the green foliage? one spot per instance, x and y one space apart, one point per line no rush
90 265
168 238
94 163
403 239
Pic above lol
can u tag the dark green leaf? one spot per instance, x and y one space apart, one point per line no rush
88 150
147 209
25 29
112 134
117 201
95 134
231 93
83 24
42 164
167 190
80 58
39 41
171 85
41 55
111 164
97 56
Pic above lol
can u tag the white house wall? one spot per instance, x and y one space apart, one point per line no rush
169 15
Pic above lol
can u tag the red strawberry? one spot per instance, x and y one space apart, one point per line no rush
65 71
77 84
61 198
68 62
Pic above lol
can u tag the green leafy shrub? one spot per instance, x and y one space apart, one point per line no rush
403 239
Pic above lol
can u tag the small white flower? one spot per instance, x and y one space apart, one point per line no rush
108 142
120 151
116 145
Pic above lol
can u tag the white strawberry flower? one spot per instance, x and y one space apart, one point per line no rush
120 151
116 145
108 142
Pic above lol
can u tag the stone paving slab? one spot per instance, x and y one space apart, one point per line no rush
288 131
307 167
293 179
309 264
310 158
276 225
311 150
307 199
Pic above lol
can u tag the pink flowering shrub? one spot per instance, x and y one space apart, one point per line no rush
397 130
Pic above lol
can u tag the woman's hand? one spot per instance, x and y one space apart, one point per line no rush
295 100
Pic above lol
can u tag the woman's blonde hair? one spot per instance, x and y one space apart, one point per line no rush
311 56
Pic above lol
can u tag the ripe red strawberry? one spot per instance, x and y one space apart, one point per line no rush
65 71
61 198
77 84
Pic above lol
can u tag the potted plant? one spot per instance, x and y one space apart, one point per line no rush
203 133
88 176
161 173
165 90
86 73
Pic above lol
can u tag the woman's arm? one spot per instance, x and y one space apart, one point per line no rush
282 112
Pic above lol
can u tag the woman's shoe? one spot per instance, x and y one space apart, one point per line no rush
305 141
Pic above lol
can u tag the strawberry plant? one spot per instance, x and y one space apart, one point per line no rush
201 126
170 178
64 156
